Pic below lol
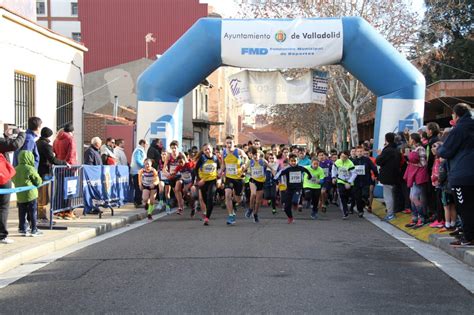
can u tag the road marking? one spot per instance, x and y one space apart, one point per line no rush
460 272
24 270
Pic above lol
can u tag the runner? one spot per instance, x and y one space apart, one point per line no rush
343 174
326 190
184 188
269 188
148 181
294 179
312 187
232 166
169 168
257 167
363 168
207 165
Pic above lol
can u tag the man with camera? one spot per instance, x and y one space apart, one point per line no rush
11 139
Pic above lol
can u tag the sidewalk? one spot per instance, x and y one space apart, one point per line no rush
26 249
427 235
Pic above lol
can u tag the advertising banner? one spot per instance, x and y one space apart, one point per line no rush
159 120
271 87
400 115
279 44
104 183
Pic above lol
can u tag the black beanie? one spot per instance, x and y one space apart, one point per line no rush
46 132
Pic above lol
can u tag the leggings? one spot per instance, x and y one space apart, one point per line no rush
344 195
312 194
208 191
418 202
292 197
361 197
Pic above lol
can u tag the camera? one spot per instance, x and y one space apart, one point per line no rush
10 131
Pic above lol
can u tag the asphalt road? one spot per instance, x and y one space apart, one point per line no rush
176 265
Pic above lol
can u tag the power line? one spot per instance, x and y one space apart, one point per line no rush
443 64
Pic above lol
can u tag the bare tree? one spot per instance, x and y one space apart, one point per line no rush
392 18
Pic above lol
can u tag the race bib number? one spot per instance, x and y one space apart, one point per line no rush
314 180
231 169
360 169
163 176
186 176
257 172
326 172
343 173
209 168
172 169
295 177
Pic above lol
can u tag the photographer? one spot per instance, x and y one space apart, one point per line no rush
8 143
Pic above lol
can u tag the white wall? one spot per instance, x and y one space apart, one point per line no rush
61 8
49 60
26 8
66 28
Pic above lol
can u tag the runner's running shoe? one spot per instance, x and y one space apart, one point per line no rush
149 217
248 213
255 218
411 224
230 220
179 212
291 220
314 215
206 221
168 210
274 211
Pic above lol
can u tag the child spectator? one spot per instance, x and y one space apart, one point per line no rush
148 181
26 175
437 204
416 176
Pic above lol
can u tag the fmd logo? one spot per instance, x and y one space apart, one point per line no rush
280 36
254 51
412 123
163 128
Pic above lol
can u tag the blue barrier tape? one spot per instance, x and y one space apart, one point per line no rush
4 191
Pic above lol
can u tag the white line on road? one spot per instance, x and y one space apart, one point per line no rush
460 272
24 270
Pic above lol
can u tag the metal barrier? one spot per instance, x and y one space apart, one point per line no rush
67 190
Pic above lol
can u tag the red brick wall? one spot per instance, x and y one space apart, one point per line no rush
94 127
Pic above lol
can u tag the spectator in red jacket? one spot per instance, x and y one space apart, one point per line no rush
64 146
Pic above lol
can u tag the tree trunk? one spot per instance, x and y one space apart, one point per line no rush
354 131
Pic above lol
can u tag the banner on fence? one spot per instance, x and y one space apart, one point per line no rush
271 87
105 184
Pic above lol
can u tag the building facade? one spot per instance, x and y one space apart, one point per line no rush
61 16
40 74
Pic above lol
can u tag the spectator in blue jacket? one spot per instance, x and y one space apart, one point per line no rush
138 158
33 131
458 150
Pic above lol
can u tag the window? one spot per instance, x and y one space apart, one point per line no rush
73 8
24 99
206 102
63 105
40 8
76 36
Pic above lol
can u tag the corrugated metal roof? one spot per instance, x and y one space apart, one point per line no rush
114 30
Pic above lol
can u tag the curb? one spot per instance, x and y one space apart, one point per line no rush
23 256
466 255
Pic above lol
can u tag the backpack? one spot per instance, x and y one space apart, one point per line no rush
6 170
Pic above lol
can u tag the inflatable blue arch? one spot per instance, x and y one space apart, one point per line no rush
398 85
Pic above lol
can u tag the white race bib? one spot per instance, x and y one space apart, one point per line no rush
326 172
186 176
231 169
343 173
257 172
172 168
314 180
163 176
360 170
295 177
209 168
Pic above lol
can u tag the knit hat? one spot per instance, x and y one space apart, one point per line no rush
46 132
